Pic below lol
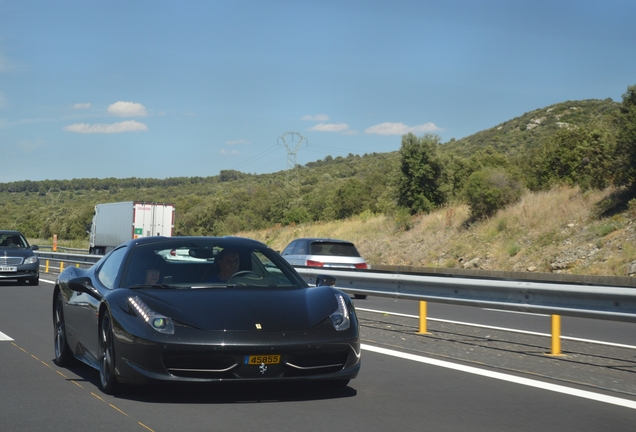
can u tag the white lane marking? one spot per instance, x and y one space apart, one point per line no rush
47 281
505 377
597 342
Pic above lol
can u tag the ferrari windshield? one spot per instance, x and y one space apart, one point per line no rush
203 263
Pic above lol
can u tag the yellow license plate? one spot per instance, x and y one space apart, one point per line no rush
262 359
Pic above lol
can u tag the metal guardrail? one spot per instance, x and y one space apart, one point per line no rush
65 258
600 302
68 257
64 249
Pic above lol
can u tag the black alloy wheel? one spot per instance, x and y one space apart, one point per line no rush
107 378
63 353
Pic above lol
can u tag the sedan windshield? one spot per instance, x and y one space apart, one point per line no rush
183 264
14 241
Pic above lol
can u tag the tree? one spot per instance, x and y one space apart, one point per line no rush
420 184
491 189
625 153
581 156
349 199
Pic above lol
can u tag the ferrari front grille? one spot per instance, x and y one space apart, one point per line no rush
216 366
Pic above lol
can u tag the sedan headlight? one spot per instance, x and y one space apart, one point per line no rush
340 318
158 322
31 260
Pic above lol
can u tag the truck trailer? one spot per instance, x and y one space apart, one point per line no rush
115 223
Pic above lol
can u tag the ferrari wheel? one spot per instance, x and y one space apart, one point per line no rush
63 353
107 378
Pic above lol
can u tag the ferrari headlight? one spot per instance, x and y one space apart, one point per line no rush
31 260
158 322
340 318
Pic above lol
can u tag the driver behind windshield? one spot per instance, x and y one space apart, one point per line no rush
228 263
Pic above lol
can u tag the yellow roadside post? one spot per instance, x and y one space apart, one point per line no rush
422 318
61 266
46 267
556 335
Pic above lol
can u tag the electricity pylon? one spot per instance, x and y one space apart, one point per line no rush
289 139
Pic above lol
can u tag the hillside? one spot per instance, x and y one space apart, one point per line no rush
520 134
560 231
557 228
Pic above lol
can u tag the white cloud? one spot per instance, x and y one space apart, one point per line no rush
82 105
231 152
235 142
389 128
125 126
127 109
317 117
329 127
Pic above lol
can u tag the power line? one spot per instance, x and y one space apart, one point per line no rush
288 139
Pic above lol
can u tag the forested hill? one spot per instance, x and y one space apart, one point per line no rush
527 131
323 190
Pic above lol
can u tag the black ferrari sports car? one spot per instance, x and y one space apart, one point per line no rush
203 309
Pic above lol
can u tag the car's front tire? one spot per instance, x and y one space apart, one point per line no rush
107 379
63 355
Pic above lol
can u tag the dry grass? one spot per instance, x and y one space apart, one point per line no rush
555 231
548 231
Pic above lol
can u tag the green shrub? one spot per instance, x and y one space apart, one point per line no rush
514 249
403 219
489 190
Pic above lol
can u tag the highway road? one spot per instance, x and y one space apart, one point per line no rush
601 331
457 378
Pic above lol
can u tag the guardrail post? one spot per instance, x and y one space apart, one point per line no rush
556 335
46 266
61 266
423 329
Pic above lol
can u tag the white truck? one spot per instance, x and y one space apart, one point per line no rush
115 223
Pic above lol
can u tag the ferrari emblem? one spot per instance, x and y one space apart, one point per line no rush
262 368
258 327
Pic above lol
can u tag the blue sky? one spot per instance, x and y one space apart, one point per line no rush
158 89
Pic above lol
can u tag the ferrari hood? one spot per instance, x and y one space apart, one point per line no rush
236 309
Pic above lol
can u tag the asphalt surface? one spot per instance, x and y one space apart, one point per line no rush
434 389
585 365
